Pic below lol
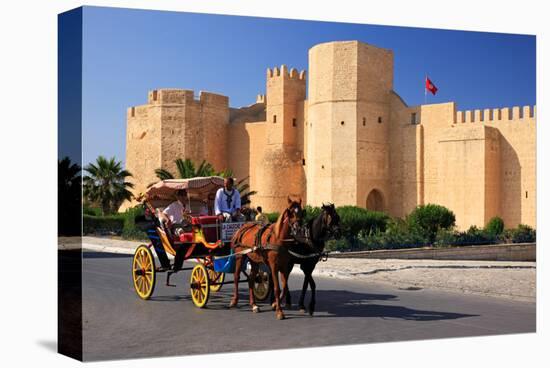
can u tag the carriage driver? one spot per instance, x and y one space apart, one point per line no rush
173 214
227 204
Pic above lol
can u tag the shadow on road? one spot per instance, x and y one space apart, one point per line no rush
87 254
341 303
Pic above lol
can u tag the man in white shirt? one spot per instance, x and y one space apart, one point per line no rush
227 204
174 213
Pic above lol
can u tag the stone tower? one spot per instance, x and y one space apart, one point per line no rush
173 124
283 153
347 124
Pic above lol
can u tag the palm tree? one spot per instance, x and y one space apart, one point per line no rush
106 184
243 189
69 190
186 169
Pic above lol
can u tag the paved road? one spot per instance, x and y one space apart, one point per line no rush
119 325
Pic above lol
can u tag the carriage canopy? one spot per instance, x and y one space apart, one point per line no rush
198 189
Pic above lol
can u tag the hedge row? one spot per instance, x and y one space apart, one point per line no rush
118 224
363 229
398 236
103 224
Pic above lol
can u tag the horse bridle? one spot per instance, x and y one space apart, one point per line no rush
328 224
295 226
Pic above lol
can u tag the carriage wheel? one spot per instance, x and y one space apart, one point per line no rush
262 286
199 286
143 272
215 277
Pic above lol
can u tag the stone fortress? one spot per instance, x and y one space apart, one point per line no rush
352 141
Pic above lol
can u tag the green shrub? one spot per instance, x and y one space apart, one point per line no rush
426 220
445 238
102 224
473 236
272 217
337 245
91 211
396 236
495 226
130 230
356 219
311 212
521 234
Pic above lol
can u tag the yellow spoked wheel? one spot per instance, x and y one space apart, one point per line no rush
215 278
199 286
262 286
143 272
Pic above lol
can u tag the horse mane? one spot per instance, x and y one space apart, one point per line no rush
279 222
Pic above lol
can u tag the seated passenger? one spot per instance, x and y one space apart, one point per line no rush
174 215
227 204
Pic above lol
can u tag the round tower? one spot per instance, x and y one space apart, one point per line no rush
281 173
348 123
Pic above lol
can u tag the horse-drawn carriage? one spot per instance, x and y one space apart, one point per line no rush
203 237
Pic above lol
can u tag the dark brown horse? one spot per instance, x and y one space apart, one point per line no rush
308 251
266 244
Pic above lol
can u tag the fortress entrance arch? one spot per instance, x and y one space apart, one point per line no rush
375 200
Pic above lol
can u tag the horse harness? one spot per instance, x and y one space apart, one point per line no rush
258 246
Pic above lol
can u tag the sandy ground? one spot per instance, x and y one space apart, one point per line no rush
510 280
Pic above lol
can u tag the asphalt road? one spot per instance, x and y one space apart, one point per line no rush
119 325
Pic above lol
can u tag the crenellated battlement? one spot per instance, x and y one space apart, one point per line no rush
260 99
496 115
169 96
285 73
210 98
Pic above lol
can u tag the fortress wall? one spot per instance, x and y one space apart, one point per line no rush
332 147
319 155
285 91
343 165
143 132
517 127
406 159
373 164
301 147
214 120
282 158
374 88
468 154
192 129
492 174
173 132
247 144
434 119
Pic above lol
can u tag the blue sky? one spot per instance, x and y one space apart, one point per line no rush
126 53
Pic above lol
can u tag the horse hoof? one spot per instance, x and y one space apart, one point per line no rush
302 310
232 304
311 313
256 309
280 316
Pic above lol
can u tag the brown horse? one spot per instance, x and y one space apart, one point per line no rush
266 244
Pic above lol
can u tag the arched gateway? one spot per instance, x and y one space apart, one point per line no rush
375 201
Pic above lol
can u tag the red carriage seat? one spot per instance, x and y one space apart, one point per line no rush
210 232
186 237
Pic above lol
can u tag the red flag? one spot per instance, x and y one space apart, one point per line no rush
430 86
